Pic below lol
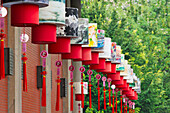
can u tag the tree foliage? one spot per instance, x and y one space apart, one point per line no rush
141 27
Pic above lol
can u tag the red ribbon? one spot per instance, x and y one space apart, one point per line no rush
82 95
58 94
116 102
90 102
98 97
104 91
2 65
109 97
120 104
24 58
113 104
44 89
124 108
133 110
71 94
129 110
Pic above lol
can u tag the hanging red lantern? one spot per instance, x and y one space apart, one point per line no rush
113 68
101 64
72 32
124 86
118 82
44 34
114 76
86 54
24 12
76 52
129 92
61 46
94 60
107 69
135 97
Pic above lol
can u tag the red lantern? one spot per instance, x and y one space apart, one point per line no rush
24 12
127 88
61 46
44 34
113 68
135 97
122 86
118 82
86 54
76 52
129 92
108 67
115 76
94 60
24 15
101 64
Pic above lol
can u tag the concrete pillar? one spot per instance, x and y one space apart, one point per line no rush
77 78
48 82
66 75
14 82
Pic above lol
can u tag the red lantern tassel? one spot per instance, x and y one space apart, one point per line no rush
113 104
104 91
124 108
120 104
44 89
130 110
24 59
116 102
90 103
2 66
109 97
82 95
98 97
24 77
58 94
71 101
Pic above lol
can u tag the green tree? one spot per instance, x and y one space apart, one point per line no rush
141 27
